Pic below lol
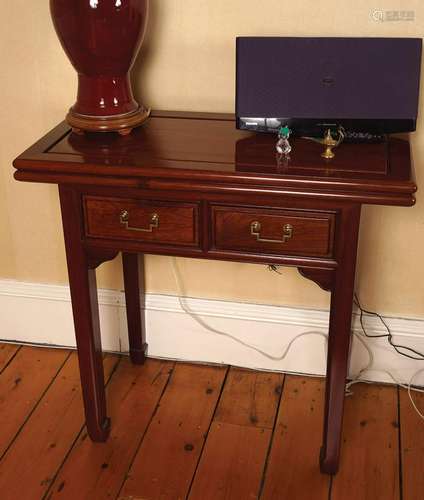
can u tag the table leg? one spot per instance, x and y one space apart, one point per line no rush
339 339
82 281
133 267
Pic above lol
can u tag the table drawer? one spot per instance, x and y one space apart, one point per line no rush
141 220
289 232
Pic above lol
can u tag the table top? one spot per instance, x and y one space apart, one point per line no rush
199 147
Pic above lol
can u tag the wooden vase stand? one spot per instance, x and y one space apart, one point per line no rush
123 124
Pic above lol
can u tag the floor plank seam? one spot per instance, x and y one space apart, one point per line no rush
262 483
207 433
400 446
172 370
49 491
10 360
34 407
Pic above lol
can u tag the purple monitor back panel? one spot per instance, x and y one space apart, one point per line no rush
347 78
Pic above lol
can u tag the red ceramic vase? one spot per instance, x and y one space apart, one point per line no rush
101 39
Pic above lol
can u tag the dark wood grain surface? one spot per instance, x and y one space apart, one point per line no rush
310 233
176 222
173 149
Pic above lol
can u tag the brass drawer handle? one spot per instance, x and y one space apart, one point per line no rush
255 230
154 222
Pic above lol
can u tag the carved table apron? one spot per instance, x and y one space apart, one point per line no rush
191 185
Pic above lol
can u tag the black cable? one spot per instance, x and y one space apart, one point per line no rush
387 335
274 268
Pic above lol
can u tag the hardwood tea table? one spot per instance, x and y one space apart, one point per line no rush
191 185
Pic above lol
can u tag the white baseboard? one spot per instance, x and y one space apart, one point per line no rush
39 313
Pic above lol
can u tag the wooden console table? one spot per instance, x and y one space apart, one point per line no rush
192 185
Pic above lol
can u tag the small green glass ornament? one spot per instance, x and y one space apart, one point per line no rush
283 146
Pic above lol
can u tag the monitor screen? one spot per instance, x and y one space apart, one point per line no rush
369 84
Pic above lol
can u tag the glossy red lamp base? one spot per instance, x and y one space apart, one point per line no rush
101 39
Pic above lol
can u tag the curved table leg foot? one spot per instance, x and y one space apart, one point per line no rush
99 432
328 465
138 356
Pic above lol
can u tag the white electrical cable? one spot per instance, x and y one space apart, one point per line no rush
368 368
198 319
357 379
410 389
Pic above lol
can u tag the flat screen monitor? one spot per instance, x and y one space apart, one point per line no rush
311 84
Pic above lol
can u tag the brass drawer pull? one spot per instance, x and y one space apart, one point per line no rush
255 230
154 222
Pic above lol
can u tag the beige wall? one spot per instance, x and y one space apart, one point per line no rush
187 63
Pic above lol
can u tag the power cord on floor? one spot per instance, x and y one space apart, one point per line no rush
360 337
199 320
397 347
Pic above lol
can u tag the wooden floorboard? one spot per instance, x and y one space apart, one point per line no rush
30 465
200 432
292 471
232 463
250 398
412 443
132 396
369 465
168 456
235 452
22 383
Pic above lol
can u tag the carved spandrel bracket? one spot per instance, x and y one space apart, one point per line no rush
97 256
324 278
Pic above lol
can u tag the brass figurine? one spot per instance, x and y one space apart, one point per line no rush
329 142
